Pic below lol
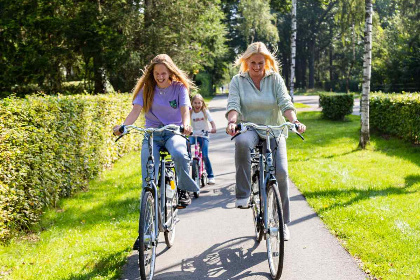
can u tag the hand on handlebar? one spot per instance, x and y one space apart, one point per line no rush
300 127
231 129
187 129
116 130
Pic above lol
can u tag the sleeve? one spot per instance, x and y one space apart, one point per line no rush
283 98
183 97
209 118
234 100
139 99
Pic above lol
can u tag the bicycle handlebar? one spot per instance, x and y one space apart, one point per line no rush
243 127
125 129
203 133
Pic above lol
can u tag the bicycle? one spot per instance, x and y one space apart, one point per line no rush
150 223
199 174
265 199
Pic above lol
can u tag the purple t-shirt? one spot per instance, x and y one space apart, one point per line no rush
166 105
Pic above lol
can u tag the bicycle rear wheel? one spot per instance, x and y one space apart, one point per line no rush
147 243
171 214
275 238
196 175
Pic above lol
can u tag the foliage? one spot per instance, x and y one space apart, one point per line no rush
396 114
336 106
44 44
50 147
87 236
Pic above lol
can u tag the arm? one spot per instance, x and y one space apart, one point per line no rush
185 115
232 119
291 116
210 119
131 118
213 127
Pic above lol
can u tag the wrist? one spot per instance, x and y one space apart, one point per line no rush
295 121
234 122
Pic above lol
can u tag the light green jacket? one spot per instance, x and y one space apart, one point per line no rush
264 106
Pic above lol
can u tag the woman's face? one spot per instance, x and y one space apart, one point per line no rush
256 64
161 74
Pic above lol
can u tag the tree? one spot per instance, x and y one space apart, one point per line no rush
367 59
293 48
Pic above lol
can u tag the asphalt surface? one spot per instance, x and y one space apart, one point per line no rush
214 240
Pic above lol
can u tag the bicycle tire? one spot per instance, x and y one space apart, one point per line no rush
147 248
195 175
171 213
275 235
256 208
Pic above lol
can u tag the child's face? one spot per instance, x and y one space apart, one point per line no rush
197 104
161 75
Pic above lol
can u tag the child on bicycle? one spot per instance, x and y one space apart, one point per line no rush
200 118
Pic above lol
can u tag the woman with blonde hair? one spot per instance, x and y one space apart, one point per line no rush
162 93
258 95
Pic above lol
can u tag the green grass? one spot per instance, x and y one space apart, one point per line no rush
368 198
88 236
300 105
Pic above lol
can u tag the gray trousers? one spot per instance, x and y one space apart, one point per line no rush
177 148
244 143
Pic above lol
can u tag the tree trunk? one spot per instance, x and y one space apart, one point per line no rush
311 63
293 46
367 58
330 53
353 42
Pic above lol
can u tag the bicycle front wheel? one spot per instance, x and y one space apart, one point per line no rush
196 175
147 234
275 236
256 207
171 214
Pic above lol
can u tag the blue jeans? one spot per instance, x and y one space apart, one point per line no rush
177 148
204 144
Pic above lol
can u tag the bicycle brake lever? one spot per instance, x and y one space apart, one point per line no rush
294 129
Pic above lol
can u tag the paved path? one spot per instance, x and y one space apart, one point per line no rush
214 240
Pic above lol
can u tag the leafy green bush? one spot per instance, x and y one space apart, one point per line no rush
396 114
335 106
50 147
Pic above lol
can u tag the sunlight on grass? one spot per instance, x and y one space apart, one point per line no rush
368 198
88 236
301 105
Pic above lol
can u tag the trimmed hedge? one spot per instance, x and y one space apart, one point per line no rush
50 147
396 114
335 106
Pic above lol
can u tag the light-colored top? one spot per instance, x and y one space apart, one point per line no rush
264 106
166 105
199 122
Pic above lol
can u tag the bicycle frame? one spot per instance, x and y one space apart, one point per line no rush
198 152
160 220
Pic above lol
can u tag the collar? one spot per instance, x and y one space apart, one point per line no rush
266 74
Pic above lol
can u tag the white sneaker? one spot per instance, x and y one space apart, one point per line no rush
211 181
242 203
286 233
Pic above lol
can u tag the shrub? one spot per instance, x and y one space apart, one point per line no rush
50 147
335 106
396 114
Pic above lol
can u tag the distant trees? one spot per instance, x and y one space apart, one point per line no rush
45 44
